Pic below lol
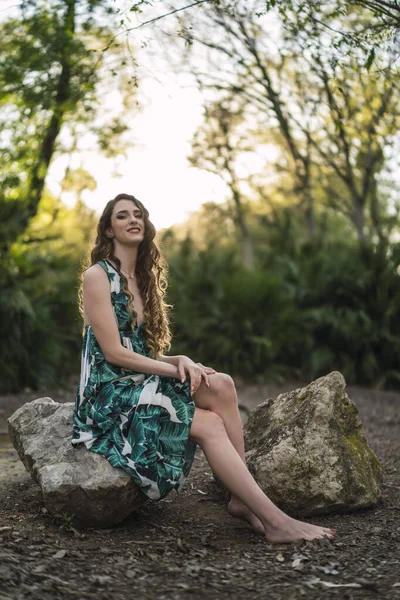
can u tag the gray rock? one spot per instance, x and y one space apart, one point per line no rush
308 451
73 480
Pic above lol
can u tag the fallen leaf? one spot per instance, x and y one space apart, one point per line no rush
39 569
180 545
152 556
183 586
77 534
279 557
60 554
201 492
101 579
328 569
297 564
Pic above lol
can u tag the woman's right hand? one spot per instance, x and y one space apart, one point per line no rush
195 372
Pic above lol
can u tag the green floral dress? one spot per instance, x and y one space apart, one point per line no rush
138 422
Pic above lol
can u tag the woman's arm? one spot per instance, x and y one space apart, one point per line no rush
172 360
100 315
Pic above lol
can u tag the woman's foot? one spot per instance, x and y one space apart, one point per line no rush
236 508
291 530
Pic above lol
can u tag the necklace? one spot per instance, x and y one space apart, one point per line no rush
127 274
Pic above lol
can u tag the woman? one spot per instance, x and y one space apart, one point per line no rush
142 410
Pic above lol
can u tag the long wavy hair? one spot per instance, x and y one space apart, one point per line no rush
151 271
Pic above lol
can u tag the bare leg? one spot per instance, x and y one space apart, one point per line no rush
209 432
221 398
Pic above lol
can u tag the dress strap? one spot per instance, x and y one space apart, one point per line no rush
104 265
112 274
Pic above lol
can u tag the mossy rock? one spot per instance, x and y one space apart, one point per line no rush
308 451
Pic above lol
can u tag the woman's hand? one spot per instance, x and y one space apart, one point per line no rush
195 371
208 370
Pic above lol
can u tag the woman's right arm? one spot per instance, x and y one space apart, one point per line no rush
100 314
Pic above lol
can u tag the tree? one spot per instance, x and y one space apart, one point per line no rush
52 71
332 119
54 74
216 147
362 121
77 181
380 23
39 321
367 23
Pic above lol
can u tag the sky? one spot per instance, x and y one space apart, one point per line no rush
156 170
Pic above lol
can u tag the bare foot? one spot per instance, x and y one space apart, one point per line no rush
239 510
291 530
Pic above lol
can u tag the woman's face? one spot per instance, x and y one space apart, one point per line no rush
127 223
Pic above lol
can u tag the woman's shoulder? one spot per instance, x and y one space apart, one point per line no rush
94 273
98 267
100 274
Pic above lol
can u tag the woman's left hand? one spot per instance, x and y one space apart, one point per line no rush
195 371
208 370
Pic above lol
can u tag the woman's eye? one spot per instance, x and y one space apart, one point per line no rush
120 217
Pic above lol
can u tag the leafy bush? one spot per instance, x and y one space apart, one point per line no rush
228 317
307 308
350 304
40 329
304 311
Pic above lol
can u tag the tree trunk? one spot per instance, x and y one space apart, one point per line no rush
40 168
240 219
375 212
358 219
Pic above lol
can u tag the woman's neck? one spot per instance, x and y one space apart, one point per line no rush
127 258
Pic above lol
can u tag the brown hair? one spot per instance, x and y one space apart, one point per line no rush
150 273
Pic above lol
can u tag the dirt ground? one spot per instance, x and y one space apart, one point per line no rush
187 546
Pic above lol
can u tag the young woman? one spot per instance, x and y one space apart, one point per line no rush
144 411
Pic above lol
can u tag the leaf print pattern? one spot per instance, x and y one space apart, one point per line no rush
138 422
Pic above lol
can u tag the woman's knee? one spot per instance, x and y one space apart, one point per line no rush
205 425
223 385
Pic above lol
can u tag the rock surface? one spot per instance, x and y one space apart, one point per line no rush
308 451
73 480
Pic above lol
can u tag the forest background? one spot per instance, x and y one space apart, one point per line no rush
294 272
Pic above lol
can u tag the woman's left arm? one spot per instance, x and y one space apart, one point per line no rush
172 360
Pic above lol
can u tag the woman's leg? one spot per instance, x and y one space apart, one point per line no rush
209 432
221 398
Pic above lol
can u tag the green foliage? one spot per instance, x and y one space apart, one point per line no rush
308 308
66 521
228 317
350 300
56 65
40 326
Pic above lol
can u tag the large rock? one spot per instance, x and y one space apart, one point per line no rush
73 480
308 451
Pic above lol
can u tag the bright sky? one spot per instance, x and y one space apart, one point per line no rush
156 171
